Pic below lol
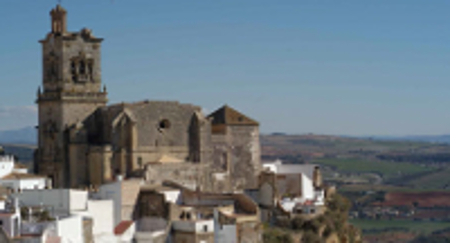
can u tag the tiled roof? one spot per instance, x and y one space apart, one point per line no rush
20 166
15 176
229 116
122 227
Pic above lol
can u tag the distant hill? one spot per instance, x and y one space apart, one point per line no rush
25 135
417 138
444 138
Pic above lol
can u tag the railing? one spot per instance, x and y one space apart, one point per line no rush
36 227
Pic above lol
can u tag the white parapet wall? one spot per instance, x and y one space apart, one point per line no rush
197 226
70 229
60 201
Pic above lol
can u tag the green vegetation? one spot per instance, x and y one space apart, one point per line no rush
333 223
364 171
420 227
274 235
437 180
39 215
385 169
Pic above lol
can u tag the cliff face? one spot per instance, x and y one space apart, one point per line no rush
330 227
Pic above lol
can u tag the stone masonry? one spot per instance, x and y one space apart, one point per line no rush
85 142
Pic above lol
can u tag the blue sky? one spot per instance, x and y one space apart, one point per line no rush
326 67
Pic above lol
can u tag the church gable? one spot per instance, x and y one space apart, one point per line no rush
125 115
227 116
162 123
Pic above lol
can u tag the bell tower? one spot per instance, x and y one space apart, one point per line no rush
71 91
59 20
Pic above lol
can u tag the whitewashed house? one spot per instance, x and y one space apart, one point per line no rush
10 221
75 216
16 178
124 194
293 188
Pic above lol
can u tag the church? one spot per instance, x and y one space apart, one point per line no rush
84 142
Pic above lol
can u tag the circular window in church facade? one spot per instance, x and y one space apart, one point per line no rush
164 124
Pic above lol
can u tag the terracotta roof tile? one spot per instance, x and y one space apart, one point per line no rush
122 227
15 176
229 116
20 166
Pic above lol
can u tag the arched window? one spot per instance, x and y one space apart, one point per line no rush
49 69
73 70
53 69
91 67
82 67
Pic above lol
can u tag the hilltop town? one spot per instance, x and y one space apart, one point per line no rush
152 171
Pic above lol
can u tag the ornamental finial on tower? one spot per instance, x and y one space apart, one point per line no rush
59 24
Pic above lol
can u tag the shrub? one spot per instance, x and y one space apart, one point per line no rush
310 237
276 236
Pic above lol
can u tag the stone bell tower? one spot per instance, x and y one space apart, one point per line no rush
71 91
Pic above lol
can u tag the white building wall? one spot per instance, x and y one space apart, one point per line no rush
6 224
279 168
106 238
226 233
78 200
172 196
101 212
24 184
113 191
307 188
194 226
6 165
2 204
32 183
70 229
56 199
320 197
11 225
13 184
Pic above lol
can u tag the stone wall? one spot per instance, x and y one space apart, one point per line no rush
238 151
250 232
71 79
245 164
59 54
190 175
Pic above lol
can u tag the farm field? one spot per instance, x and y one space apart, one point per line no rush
419 227
437 180
425 199
379 178
383 168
